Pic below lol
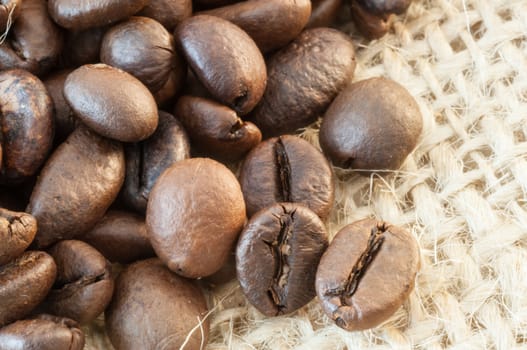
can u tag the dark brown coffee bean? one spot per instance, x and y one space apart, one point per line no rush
225 274
382 7
82 14
277 257
270 23
168 12
324 13
154 308
83 46
225 59
215 129
84 285
24 283
196 206
366 274
373 124
112 102
44 332
9 11
26 124
165 97
146 160
17 231
370 25
121 237
304 78
213 3
287 169
76 186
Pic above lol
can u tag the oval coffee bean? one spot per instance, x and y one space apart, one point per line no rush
287 169
216 129
76 186
194 215
270 23
26 124
17 231
44 332
225 59
168 12
370 25
381 7
373 124
324 13
304 78
112 102
146 160
277 257
366 274
24 283
121 237
83 46
154 308
9 11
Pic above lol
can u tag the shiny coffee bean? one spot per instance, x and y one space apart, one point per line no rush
24 283
168 12
112 102
366 274
43 332
83 46
26 125
17 231
304 78
77 185
146 160
381 7
154 308
215 129
370 25
287 169
225 59
195 213
277 257
9 11
324 13
373 124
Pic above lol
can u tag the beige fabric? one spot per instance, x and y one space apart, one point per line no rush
462 193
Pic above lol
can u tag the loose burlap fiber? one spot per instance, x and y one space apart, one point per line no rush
462 192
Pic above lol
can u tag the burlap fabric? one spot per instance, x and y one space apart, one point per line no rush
462 193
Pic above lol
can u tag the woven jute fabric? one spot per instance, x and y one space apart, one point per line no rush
462 192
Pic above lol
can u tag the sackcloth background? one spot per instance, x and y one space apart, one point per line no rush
462 192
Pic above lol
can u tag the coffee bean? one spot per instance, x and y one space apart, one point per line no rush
154 308
17 231
304 78
215 129
370 25
195 213
287 169
24 283
76 186
165 97
9 11
83 46
112 102
366 274
168 12
146 160
324 13
277 257
373 124
27 124
43 332
381 7
225 59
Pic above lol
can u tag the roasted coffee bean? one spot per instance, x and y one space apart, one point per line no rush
144 48
213 3
83 46
154 308
165 97
121 237
225 59
44 332
215 129
24 283
304 78
373 124
382 7
270 23
366 274
277 257
76 186
17 231
82 14
195 213
84 285
146 160
112 102
168 12
287 169
225 274
370 25
9 11
324 13
26 121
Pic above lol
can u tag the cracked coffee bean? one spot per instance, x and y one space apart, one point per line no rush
367 273
324 13
370 25
17 231
287 169
277 257
168 12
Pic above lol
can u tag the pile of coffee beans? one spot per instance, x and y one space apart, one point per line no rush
111 204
